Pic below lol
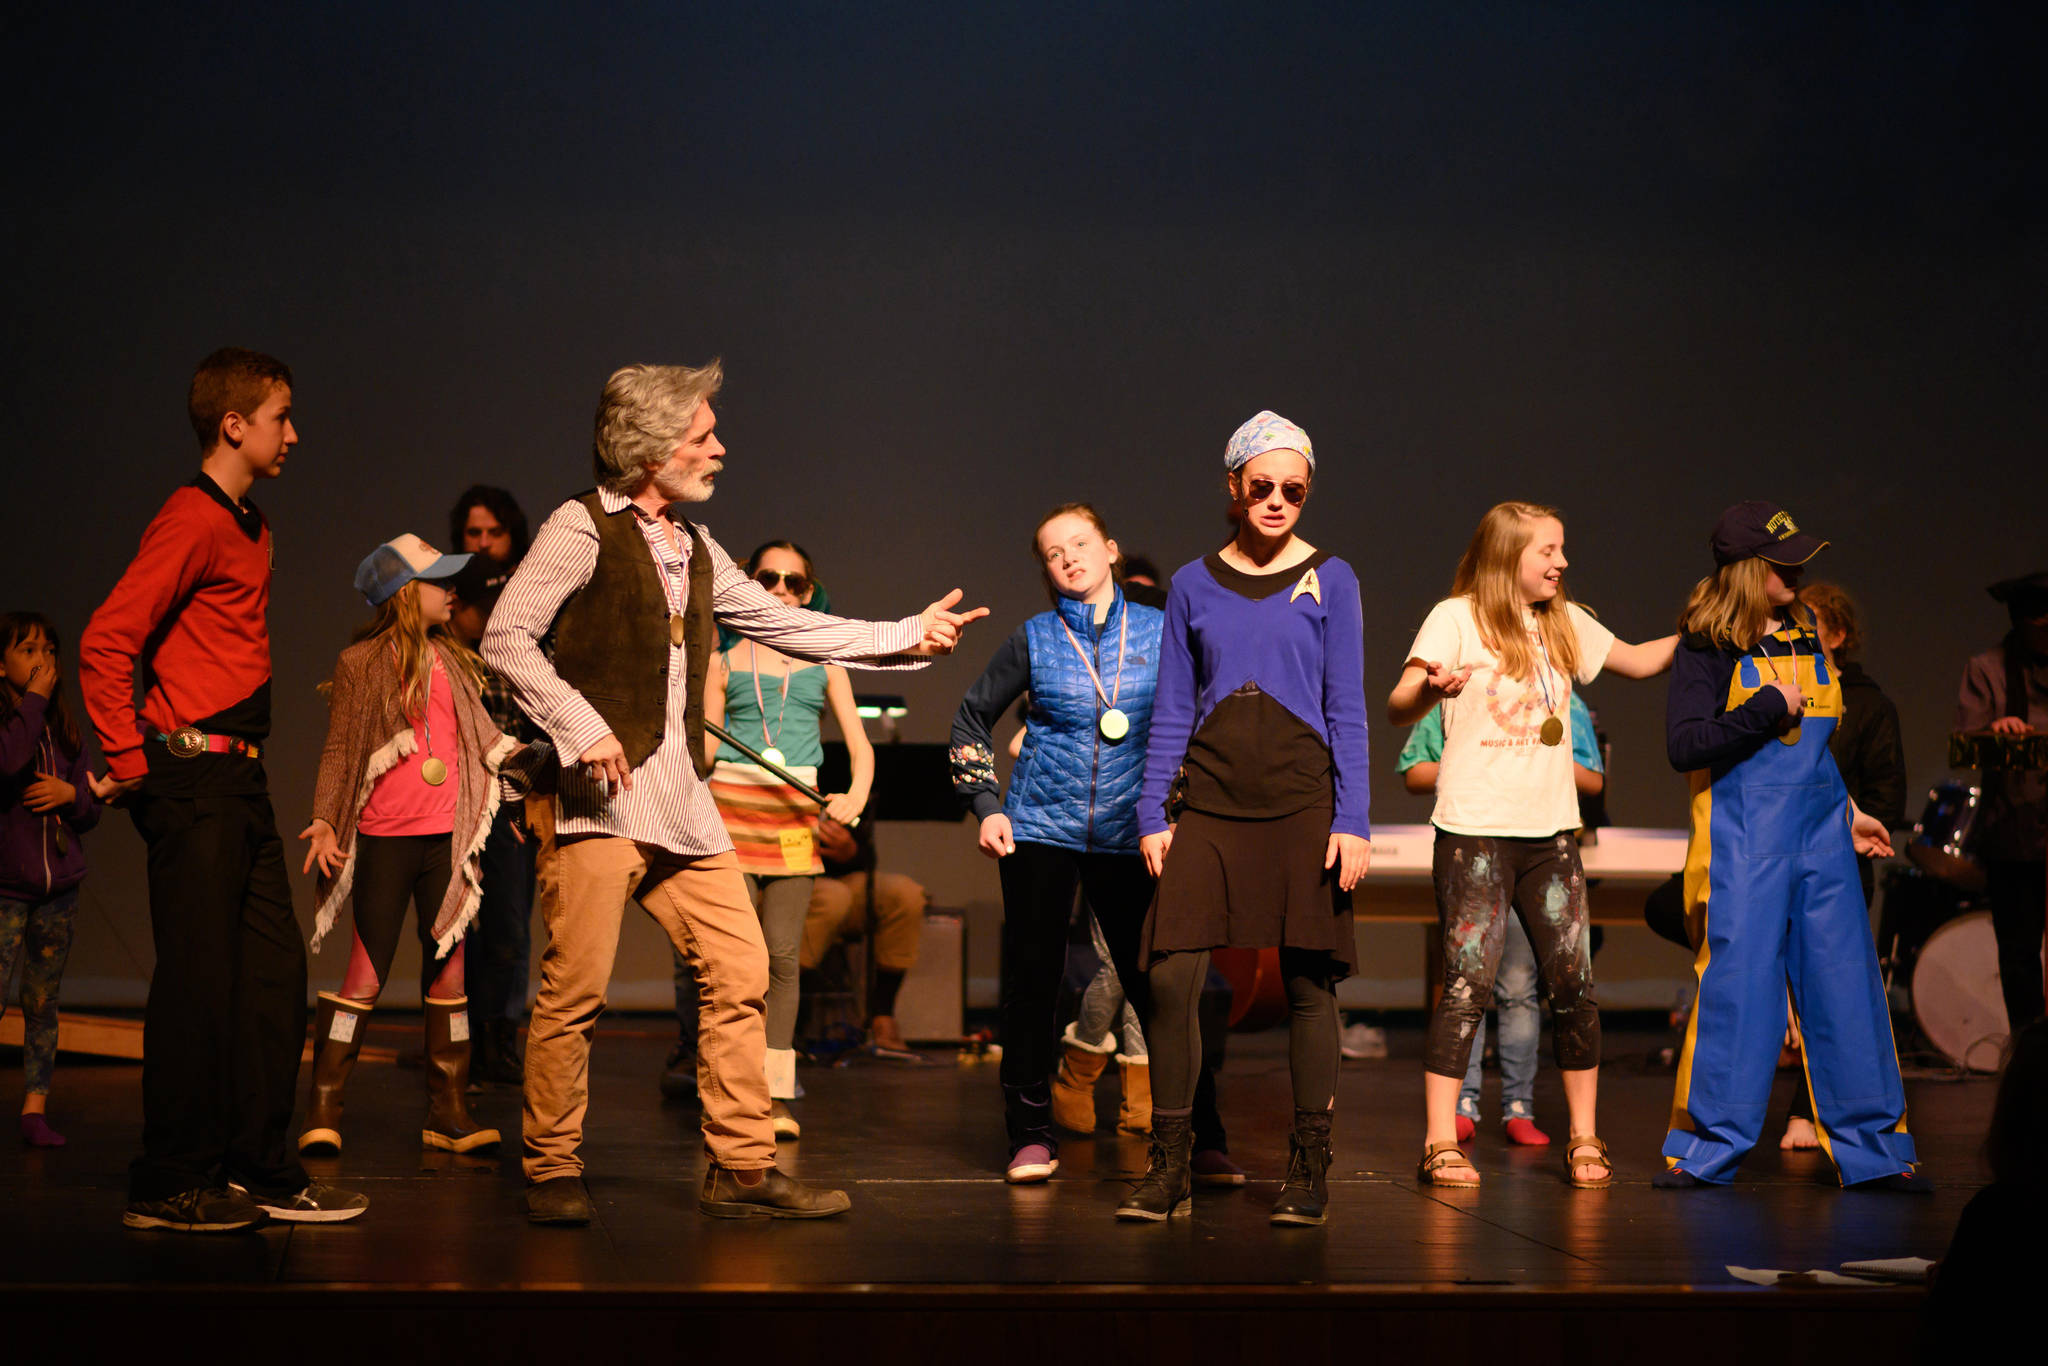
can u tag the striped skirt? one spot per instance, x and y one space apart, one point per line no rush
773 826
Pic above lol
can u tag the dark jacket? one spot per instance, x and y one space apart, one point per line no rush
1867 749
40 855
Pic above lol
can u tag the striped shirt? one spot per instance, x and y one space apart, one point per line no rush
668 805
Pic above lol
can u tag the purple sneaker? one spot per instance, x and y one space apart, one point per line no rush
37 1133
1030 1165
1213 1167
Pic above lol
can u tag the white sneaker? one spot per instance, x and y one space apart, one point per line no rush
1363 1041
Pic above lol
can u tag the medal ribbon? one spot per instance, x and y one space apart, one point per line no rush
1543 671
1123 640
754 667
671 591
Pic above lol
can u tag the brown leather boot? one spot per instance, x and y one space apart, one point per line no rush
449 1124
337 1038
1135 1117
1073 1085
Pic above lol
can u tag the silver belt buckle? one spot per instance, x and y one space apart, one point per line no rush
186 742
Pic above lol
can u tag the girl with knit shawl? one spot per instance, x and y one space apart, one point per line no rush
407 789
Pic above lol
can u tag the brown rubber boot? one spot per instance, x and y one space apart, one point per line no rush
1073 1085
337 1038
449 1124
1136 1115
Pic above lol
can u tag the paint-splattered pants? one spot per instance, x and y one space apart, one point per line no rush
37 936
1480 880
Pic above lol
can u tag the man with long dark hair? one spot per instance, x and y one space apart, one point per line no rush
488 523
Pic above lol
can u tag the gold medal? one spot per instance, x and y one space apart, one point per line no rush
772 755
1115 725
1552 732
434 771
675 630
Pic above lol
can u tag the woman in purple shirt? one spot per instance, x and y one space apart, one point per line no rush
1258 733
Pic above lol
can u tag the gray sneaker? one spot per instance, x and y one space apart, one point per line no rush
201 1211
316 1204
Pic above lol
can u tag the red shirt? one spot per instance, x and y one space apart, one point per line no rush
193 610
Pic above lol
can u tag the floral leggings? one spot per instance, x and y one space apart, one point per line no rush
36 935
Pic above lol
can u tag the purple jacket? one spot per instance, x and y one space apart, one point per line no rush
33 866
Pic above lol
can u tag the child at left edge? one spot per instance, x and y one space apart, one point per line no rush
47 800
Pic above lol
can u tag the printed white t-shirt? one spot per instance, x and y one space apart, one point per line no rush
1498 777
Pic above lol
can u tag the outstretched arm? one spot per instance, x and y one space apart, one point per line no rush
749 609
1646 660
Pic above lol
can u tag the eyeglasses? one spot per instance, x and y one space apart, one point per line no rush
797 582
1259 490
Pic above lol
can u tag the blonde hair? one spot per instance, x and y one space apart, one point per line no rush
1489 573
644 415
1729 607
400 619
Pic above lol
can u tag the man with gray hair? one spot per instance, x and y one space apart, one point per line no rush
631 593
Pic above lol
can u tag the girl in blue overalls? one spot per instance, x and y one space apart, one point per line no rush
1071 816
1771 887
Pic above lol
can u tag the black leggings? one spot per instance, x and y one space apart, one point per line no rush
1039 881
1173 1028
392 870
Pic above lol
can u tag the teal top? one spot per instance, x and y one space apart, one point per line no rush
1426 742
793 729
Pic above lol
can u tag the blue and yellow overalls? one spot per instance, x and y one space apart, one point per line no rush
1774 902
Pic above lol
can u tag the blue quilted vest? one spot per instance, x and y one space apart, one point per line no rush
1071 787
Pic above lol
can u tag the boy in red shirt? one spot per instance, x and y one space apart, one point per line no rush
226 1019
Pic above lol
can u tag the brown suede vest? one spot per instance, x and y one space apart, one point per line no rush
611 637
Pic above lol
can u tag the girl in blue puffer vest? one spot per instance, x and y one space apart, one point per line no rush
1071 816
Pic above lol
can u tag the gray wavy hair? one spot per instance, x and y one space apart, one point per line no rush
643 416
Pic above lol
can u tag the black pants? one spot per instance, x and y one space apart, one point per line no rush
226 1018
392 870
1174 1034
2019 901
500 953
1039 881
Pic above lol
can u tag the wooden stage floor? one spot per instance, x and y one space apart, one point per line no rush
937 1244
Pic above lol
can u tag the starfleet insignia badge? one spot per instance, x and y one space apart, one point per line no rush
1310 585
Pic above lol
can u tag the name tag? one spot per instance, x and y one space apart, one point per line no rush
796 850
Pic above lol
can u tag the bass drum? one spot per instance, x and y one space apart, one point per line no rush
1956 999
1944 843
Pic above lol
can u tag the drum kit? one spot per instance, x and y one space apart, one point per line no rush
1935 932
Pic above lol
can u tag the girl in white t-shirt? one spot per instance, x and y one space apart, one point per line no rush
1501 654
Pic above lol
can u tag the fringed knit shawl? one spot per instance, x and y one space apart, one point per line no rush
367 735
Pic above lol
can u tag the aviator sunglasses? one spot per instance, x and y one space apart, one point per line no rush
1258 490
799 582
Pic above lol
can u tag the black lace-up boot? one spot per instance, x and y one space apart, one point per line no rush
1167 1187
1305 1199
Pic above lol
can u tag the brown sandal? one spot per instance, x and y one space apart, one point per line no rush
1579 1143
1436 1157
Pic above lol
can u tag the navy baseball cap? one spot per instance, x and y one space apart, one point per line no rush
394 564
1763 530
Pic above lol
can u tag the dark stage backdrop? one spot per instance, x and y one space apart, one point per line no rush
964 262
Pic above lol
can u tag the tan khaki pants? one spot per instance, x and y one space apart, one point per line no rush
839 910
702 905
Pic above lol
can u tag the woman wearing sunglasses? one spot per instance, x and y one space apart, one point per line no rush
774 703
1254 813
1070 819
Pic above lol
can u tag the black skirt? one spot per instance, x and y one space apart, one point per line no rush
1251 884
